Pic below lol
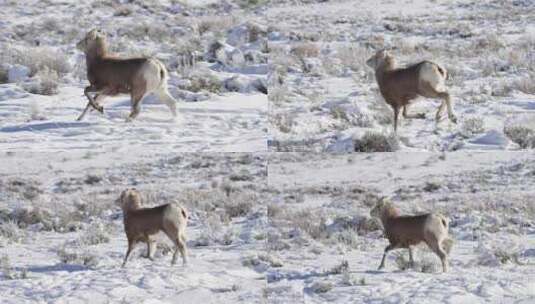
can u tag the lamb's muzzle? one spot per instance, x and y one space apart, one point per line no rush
407 231
141 223
110 76
400 86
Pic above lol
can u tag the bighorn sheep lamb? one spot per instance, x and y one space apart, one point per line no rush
141 223
400 86
109 76
407 231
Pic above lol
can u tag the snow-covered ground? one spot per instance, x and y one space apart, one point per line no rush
62 238
231 123
329 248
221 91
323 97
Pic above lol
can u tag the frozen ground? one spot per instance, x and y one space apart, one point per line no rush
233 123
62 239
324 98
215 53
329 248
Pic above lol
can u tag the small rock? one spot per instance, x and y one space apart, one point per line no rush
17 73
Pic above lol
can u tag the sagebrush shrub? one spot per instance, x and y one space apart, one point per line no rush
376 142
523 136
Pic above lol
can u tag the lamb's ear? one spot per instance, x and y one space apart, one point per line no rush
120 199
384 200
92 34
100 34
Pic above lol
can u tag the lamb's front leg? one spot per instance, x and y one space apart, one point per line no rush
130 247
150 251
387 249
96 100
91 89
411 257
90 103
84 112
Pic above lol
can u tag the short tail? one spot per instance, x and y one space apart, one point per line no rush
442 71
164 75
444 220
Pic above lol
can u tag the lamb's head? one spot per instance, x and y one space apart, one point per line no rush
130 199
94 41
383 204
381 58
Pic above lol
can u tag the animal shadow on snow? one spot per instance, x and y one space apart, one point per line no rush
524 105
57 267
44 126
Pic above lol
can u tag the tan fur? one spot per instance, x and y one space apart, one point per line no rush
401 86
407 231
142 223
109 75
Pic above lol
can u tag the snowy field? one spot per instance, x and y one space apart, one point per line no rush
328 248
62 238
323 97
216 56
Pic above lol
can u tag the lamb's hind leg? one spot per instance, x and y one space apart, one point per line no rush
173 234
136 105
164 96
437 249
430 91
181 246
412 116
447 100
439 111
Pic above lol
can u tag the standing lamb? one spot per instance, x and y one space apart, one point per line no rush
401 86
110 76
407 231
141 223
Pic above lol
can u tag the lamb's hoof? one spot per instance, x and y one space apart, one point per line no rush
453 119
100 109
420 115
